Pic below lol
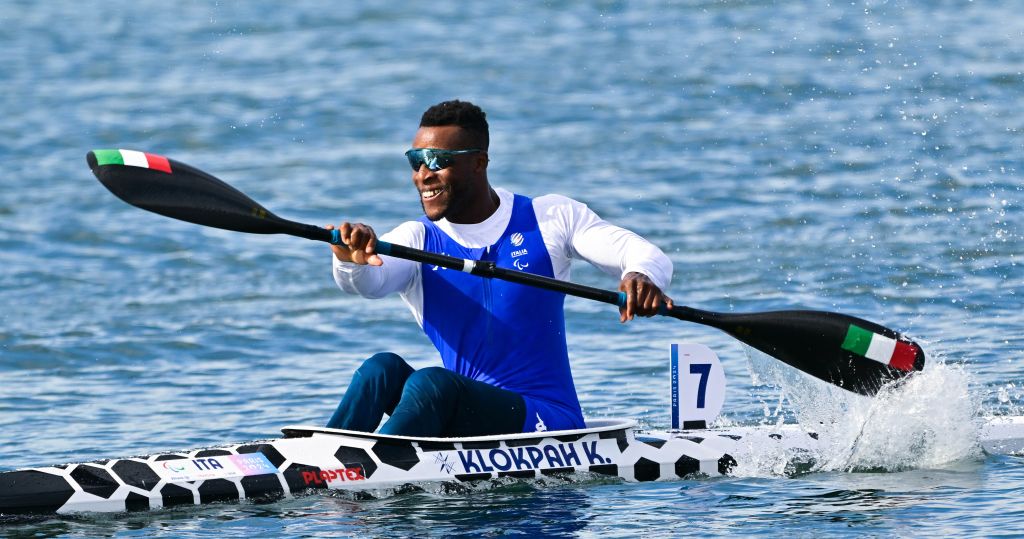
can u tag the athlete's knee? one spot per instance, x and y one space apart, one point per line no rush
432 380
382 364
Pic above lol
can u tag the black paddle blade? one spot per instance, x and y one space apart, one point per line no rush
852 353
176 190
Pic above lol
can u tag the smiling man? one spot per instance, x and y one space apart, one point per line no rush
502 345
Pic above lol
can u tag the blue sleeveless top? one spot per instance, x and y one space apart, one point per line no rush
508 335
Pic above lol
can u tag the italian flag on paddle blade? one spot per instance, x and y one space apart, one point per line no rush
885 350
132 158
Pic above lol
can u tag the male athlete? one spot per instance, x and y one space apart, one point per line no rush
506 366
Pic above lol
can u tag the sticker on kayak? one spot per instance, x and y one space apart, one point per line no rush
528 458
219 467
132 158
331 477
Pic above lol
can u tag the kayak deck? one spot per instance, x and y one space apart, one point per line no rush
314 458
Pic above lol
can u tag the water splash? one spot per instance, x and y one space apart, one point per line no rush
931 420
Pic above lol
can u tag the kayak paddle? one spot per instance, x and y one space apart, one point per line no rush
854 354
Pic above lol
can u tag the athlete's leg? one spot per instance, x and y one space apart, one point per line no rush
438 402
484 410
375 390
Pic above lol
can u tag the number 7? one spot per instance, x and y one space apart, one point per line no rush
703 369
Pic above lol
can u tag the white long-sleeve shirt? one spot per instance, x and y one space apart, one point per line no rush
570 230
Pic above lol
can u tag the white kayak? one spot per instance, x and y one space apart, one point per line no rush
312 458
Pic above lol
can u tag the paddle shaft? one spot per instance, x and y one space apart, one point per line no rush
490 270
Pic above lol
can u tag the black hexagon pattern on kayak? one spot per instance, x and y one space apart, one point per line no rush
33 491
212 453
646 470
94 480
297 481
687 465
136 474
353 457
218 490
262 488
174 495
401 455
136 502
726 464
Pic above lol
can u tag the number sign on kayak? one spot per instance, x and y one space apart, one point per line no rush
698 386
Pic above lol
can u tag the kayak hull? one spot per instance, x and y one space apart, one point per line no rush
311 458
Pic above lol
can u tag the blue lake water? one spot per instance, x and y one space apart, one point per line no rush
862 157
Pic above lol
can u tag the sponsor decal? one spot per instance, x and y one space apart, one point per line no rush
328 477
219 467
252 464
517 239
534 457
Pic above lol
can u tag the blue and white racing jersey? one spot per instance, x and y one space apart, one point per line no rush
508 335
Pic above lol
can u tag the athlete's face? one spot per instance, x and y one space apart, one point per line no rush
458 192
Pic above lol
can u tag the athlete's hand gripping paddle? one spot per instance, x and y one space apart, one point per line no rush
850 352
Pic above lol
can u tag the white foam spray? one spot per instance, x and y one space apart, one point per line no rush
929 421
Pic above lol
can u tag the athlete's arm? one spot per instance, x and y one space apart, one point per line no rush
643 269
359 270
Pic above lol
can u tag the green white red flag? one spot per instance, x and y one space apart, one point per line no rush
132 158
885 350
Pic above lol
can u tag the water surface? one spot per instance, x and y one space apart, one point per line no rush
860 157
